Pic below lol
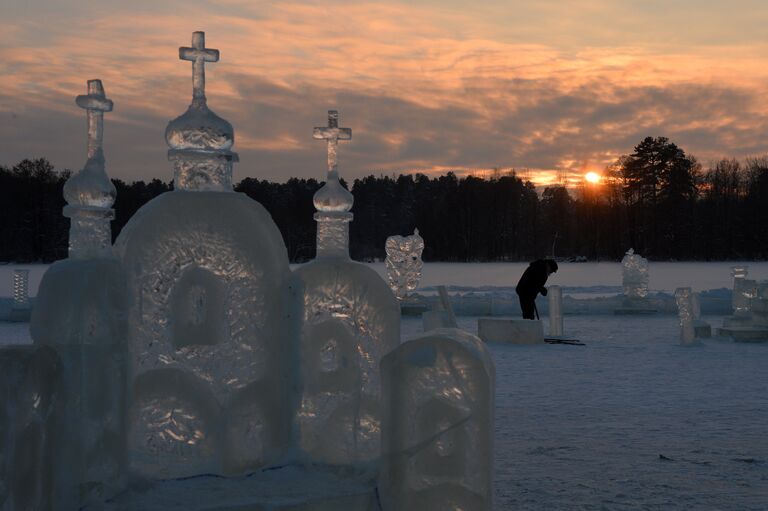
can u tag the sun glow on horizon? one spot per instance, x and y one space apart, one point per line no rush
592 177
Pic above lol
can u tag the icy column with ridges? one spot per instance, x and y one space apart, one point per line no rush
20 289
437 424
403 263
89 193
684 300
555 297
351 320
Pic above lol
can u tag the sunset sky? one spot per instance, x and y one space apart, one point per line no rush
557 87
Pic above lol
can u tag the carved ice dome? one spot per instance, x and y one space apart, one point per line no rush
199 128
90 187
333 197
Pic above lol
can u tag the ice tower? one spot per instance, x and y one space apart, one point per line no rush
351 320
80 313
212 305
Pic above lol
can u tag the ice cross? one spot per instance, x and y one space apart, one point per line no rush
332 134
96 103
199 55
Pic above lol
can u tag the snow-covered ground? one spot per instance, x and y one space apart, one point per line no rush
586 427
630 421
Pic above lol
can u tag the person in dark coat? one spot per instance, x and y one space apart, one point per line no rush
532 283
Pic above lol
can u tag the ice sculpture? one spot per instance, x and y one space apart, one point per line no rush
404 264
89 193
351 320
555 297
212 313
634 276
80 312
685 310
743 291
438 406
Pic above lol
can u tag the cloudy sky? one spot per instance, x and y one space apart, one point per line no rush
555 86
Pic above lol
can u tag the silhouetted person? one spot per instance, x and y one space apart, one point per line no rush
532 283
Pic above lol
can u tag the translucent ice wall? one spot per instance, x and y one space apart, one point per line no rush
634 275
404 264
438 399
33 396
685 305
351 320
210 335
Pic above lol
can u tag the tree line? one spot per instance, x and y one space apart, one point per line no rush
657 199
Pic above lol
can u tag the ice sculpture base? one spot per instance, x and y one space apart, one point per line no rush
289 488
745 333
511 331
732 321
702 329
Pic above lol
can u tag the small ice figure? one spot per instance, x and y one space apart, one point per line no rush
685 311
635 275
404 264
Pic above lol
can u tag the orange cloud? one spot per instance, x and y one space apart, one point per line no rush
427 88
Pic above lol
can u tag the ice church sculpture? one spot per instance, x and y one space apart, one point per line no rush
188 362
403 263
351 320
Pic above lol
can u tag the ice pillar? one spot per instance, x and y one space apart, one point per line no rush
684 299
555 296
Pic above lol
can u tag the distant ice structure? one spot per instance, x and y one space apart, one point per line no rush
634 275
555 297
20 307
404 264
743 291
212 310
438 399
351 320
685 308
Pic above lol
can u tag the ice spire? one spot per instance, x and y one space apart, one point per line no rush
333 201
89 193
200 140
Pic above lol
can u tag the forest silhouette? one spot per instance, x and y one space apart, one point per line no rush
657 199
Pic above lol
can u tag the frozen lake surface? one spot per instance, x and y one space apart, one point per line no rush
630 421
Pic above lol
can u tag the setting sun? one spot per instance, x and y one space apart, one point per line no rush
592 177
